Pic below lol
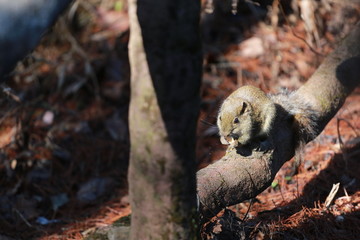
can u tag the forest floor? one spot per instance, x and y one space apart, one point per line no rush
64 136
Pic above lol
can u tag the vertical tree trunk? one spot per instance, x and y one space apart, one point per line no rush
165 59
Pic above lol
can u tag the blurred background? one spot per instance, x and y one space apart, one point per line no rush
64 132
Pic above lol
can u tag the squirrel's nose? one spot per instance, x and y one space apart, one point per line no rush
234 136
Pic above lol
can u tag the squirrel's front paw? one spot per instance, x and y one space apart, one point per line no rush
229 141
263 146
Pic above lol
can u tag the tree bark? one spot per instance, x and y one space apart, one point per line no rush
235 178
165 59
23 23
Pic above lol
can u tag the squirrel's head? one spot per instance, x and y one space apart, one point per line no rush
235 121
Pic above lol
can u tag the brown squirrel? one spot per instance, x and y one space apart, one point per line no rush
248 117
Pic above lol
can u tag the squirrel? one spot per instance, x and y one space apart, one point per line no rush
248 116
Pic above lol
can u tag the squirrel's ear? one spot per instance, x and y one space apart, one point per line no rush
244 107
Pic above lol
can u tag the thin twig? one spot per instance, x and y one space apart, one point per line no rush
248 210
342 146
330 197
75 47
10 93
296 35
23 218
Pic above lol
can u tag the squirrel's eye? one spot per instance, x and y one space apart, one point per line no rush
236 120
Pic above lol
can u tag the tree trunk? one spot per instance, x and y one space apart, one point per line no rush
165 59
235 178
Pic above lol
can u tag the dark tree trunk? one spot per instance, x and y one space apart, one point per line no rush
165 59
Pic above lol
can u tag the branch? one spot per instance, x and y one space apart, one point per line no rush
235 178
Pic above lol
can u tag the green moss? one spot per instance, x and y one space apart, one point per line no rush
162 165
97 236
123 222
324 103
